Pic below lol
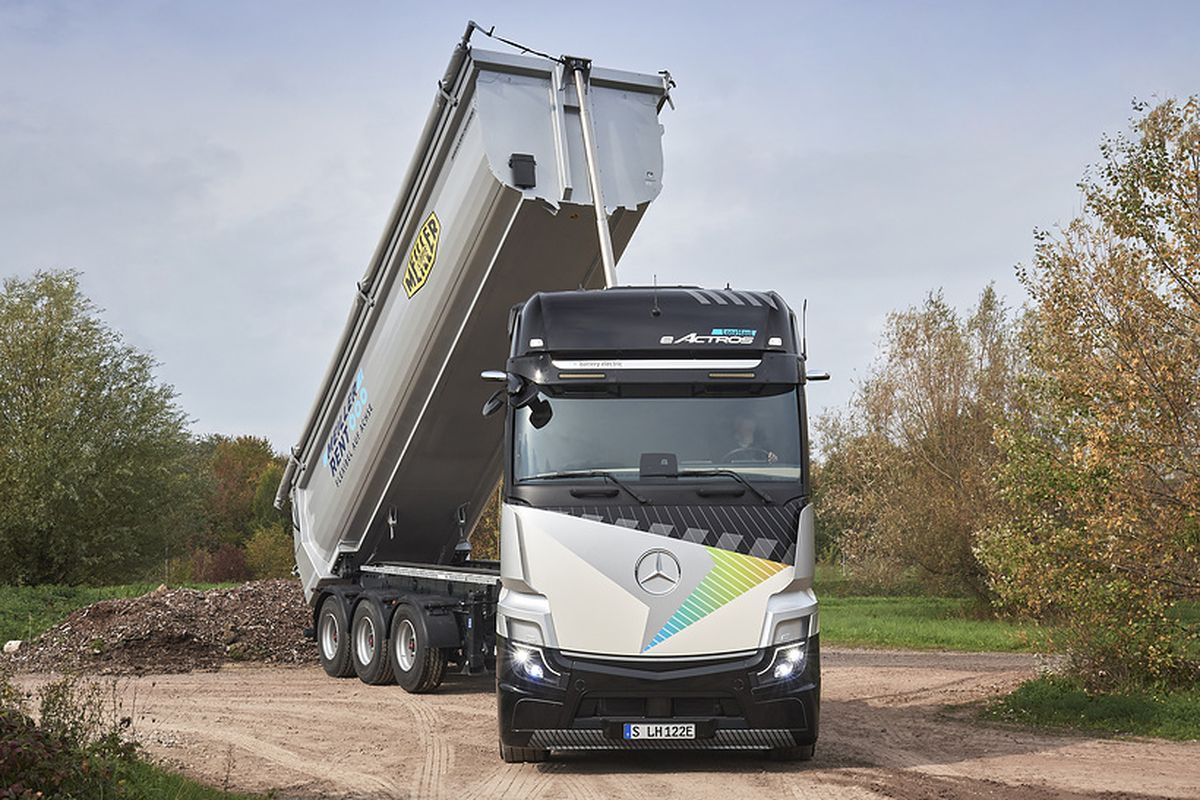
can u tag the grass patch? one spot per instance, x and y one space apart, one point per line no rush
148 780
1060 702
26 611
864 616
923 623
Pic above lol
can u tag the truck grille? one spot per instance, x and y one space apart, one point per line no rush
563 739
664 707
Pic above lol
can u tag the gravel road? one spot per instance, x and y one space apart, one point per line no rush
886 731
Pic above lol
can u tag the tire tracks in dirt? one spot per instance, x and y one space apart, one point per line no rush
431 773
885 733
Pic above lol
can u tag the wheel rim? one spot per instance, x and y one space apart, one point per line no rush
406 645
364 640
329 637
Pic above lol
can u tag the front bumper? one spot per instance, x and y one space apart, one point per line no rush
583 703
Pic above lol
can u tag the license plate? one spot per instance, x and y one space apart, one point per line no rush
660 730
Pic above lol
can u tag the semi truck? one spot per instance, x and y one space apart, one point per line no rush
654 582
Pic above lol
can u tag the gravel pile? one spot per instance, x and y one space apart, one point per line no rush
178 630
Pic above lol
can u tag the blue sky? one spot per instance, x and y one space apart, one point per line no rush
220 172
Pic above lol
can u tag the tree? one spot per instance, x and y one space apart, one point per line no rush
241 497
1102 468
269 550
906 470
92 446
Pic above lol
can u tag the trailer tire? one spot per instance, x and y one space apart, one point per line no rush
800 752
369 644
333 639
522 755
418 667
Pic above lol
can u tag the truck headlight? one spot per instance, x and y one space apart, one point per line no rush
530 663
787 662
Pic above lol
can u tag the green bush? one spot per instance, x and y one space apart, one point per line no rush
70 754
269 552
79 749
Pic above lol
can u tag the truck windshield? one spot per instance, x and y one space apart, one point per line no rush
758 436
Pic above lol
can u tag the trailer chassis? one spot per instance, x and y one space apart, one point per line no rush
406 623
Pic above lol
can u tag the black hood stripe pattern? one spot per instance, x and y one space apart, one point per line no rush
764 531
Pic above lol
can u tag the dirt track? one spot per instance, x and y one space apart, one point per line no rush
885 733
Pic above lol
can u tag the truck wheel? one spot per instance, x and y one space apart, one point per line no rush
522 755
368 649
417 666
333 639
801 752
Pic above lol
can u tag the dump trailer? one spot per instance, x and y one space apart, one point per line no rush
654 586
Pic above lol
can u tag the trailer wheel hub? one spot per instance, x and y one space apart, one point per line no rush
406 646
365 644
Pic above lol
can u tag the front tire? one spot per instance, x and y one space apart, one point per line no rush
333 639
418 667
368 645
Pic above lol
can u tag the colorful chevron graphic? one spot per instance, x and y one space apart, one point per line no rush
731 576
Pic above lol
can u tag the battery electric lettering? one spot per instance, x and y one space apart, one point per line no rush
716 336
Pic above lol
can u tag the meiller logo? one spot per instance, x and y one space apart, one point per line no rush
716 336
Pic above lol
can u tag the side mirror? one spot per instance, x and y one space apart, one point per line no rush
540 412
516 384
816 376
517 392
494 403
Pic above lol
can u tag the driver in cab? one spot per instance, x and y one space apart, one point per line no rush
746 446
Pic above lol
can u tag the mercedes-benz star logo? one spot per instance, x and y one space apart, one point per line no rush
657 572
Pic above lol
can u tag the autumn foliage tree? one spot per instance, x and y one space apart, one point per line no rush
240 533
905 472
237 465
1101 477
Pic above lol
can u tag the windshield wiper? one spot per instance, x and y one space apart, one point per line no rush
592 473
729 473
